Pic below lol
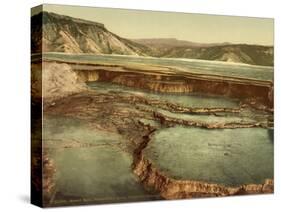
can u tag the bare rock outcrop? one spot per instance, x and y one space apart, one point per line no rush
53 81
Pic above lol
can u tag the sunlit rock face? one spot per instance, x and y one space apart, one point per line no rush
59 80
58 33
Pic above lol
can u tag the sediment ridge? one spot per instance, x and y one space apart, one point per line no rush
242 89
176 81
169 121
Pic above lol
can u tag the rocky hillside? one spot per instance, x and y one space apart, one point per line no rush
173 42
240 53
67 34
57 84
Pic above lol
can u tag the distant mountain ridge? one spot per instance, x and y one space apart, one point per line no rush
173 42
58 33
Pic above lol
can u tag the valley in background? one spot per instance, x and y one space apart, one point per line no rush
146 119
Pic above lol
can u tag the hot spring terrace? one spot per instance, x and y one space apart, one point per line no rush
251 84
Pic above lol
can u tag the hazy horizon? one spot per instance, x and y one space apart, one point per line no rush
200 28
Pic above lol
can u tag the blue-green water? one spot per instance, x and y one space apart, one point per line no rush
187 100
228 156
91 165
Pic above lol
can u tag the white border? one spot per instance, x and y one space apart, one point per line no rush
15 101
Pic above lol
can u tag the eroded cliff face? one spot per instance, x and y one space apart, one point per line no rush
255 93
87 76
153 84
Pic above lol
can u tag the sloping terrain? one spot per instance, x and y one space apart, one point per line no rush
72 35
66 34
173 42
239 53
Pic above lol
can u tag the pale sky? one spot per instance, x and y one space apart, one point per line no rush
183 26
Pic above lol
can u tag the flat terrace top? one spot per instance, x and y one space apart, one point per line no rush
170 65
213 156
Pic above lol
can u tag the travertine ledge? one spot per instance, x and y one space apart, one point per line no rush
181 189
